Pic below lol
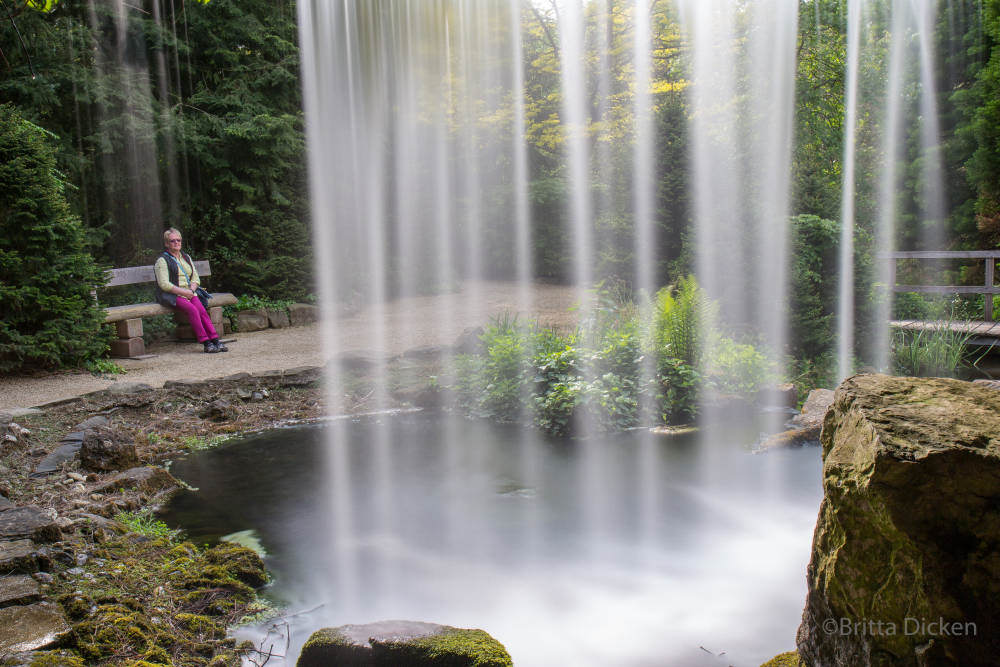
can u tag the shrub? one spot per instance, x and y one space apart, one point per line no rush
677 386
739 367
46 274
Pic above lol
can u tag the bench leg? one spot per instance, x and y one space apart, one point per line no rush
129 343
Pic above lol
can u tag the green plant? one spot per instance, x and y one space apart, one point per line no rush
739 367
104 367
677 390
681 317
143 523
46 274
936 351
196 443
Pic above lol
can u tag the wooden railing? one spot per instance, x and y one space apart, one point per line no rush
988 288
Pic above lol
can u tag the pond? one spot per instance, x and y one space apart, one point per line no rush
632 549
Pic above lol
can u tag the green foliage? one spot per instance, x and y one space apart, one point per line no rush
936 352
104 367
682 316
814 242
592 380
46 274
143 523
739 367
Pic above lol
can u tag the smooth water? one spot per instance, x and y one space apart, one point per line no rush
697 547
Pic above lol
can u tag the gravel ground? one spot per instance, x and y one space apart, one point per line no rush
407 323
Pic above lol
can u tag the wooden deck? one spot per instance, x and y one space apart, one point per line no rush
979 330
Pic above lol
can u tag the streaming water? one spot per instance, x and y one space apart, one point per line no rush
495 534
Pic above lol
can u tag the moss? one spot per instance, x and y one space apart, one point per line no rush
76 605
201 625
790 659
242 563
454 648
56 659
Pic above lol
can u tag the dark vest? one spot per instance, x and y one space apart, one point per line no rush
169 299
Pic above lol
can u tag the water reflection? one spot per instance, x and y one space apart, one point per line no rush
626 550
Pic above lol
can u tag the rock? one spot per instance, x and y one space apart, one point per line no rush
794 437
20 556
301 376
782 395
302 313
277 319
989 384
243 394
402 643
104 450
54 461
357 361
814 409
18 589
256 396
5 504
32 627
470 341
43 577
145 479
28 523
904 567
251 320
76 477
218 410
171 385
92 422
128 388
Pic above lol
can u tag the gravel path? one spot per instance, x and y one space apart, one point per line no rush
408 323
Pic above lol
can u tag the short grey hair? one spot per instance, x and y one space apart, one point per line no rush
172 230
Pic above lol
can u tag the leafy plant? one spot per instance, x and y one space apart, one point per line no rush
143 523
739 367
104 367
681 317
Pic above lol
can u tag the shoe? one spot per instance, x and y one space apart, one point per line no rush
218 344
211 347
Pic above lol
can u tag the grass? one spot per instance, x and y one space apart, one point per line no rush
142 523
938 351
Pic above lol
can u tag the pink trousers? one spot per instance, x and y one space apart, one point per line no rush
201 323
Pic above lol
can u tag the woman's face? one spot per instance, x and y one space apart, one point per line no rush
174 243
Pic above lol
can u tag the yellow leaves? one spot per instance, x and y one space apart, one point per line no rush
664 86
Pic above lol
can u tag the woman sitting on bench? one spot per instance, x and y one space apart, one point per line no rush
178 282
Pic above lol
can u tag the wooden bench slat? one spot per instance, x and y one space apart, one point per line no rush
119 313
133 275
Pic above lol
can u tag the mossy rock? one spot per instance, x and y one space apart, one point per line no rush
242 563
904 568
790 659
403 644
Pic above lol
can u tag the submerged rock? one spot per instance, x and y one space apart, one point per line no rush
402 644
904 567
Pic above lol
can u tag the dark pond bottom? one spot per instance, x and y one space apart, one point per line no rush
625 550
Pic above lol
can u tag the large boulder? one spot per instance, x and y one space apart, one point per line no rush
905 566
402 644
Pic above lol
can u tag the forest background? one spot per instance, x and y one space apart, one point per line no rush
189 114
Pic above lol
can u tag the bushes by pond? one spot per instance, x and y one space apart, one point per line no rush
635 361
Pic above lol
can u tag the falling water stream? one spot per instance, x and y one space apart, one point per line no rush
621 550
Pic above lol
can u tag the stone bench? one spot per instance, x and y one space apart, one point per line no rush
128 319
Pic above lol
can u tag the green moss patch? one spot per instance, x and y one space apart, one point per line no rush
790 659
454 648
159 602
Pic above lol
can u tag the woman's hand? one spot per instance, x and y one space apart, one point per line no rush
186 293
